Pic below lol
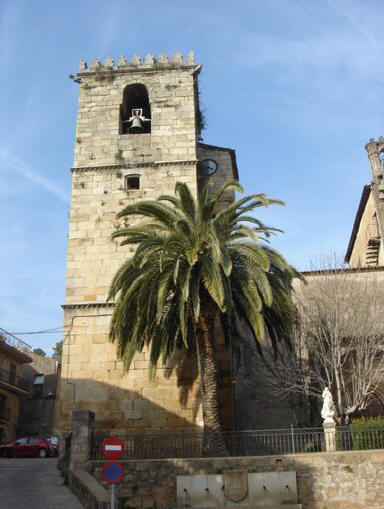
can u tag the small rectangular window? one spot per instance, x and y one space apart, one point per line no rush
132 182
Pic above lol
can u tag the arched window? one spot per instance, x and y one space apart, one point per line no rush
132 182
135 111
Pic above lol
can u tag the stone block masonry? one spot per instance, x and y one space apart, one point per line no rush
340 480
92 376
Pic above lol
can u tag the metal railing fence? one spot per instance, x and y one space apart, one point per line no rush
356 438
243 443
239 443
13 341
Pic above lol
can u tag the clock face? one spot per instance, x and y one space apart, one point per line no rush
208 167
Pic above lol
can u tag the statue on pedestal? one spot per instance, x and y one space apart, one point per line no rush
327 412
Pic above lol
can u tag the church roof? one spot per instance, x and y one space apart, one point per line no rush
363 201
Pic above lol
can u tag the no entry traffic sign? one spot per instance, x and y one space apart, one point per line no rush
112 472
113 448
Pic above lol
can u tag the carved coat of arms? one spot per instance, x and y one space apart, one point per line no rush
235 484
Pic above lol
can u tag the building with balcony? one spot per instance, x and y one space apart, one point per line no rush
13 355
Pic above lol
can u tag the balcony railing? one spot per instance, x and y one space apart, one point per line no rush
13 341
12 379
5 413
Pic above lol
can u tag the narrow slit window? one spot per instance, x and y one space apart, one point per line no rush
132 182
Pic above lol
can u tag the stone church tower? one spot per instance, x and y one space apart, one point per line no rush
138 130
366 244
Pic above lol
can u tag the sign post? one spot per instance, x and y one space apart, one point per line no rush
112 473
113 449
113 496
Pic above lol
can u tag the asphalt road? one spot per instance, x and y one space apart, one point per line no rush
33 483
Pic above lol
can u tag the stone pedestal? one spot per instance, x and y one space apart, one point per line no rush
330 436
82 427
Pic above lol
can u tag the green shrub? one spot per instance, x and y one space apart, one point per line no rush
367 433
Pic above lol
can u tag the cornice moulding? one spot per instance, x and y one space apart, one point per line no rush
129 166
85 305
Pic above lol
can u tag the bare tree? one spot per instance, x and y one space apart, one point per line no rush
338 341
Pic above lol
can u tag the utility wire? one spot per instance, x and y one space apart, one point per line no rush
44 331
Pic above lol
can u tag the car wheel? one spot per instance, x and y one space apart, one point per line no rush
43 453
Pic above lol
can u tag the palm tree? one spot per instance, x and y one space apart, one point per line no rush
195 262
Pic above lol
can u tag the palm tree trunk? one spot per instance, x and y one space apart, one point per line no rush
213 443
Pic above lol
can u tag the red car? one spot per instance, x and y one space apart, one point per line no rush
27 446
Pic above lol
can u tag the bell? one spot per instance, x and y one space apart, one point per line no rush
137 126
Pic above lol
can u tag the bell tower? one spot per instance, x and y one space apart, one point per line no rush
375 151
138 127
136 136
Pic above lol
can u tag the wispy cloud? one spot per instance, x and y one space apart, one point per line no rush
358 25
309 56
13 163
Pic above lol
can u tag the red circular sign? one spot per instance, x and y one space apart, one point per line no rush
113 448
112 472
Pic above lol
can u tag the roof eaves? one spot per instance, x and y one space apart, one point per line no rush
359 214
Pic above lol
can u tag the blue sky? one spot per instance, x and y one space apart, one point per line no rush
294 86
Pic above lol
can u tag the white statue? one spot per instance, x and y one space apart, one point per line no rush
327 412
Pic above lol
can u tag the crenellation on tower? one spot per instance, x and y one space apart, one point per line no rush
148 62
375 151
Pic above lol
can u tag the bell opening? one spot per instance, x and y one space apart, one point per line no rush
135 111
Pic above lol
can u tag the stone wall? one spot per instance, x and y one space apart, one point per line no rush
367 229
97 196
226 168
37 408
348 480
94 379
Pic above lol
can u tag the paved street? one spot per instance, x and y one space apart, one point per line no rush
33 483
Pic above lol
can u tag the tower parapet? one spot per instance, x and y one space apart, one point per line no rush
149 62
375 151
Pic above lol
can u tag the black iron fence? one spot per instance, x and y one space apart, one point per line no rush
11 378
356 438
244 443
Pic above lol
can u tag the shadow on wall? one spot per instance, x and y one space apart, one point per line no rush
130 402
151 409
257 405
183 366
125 410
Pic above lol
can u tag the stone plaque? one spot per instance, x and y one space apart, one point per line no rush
235 484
